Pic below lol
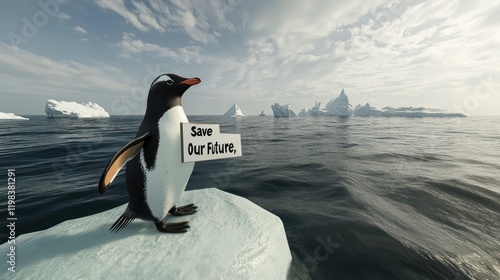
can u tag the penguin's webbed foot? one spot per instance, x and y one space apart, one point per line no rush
180 227
183 210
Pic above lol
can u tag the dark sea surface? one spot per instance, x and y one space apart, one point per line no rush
360 198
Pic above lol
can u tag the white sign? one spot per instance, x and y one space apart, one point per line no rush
204 142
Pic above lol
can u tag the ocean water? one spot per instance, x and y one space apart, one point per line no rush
360 198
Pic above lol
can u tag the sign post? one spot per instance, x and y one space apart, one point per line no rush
205 142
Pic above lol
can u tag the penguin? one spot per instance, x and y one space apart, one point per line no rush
155 175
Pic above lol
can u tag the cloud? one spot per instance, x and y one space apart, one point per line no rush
63 16
202 21
80 30
26 72
386 52
129 46
302 22
118 6
146 16
431 48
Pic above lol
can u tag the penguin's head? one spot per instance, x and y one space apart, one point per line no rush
167 89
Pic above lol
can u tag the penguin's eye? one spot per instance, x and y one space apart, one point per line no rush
164 78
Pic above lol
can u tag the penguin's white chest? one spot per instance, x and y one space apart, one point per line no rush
167 179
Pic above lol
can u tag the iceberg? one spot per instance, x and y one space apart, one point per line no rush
366 110
418 112
339 106
262 114
11 116
336 107
230 238
316 110
282 111
65 109
234 111
303 113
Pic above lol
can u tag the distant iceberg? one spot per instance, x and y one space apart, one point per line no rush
316 110
303 113
366 110
336 107
64 109
282 111
234 111
230 238
262 114
339 106
10 116
418 112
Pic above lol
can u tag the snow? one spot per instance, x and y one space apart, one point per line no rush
282 111
65 109
230 238
11 116
234 111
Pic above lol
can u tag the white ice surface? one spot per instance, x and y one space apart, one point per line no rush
10 116
230 238
65 109
234 111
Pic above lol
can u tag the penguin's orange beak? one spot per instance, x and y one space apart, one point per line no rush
191 81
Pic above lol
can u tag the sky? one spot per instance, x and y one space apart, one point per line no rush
435 54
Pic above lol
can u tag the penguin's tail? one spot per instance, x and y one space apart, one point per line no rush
126 218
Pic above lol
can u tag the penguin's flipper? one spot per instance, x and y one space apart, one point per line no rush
119 160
